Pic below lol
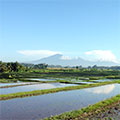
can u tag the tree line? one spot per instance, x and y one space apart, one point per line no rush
11 67
17 67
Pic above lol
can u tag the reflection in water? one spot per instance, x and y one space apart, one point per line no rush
18 83
102 90
104 80
33 87
41 79
38 107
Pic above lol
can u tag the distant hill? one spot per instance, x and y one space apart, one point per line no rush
58 60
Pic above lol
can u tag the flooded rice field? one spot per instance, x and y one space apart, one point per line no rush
40 86
18 83
104 80
42 106
79 81
41 79
82 82
92 81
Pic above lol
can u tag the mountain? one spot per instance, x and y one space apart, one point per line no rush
59 59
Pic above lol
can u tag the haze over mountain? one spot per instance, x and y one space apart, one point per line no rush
59 59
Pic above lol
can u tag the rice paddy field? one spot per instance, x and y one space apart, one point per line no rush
71 97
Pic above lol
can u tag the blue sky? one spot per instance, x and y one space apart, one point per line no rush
32 29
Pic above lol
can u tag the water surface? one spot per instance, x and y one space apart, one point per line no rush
31 108
105 80
40 86
41 79
18 83
82 82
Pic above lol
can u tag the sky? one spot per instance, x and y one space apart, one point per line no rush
33 29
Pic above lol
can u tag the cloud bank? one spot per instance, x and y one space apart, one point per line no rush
66 58
102 55
94 55
40 53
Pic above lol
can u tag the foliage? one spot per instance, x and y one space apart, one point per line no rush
17 67
11 67
40 66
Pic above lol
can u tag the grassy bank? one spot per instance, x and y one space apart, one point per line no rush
27 80
91 110
8 80
47 91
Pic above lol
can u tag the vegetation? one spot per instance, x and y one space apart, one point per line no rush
113 77
36 66
84 113
8 80
27 80
16 70
61 74
96 78
11 67
47 91
17 67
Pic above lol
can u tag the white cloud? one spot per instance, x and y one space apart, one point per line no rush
40 53
102 55
66 58
69 58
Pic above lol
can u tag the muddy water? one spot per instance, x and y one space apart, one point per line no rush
31 108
